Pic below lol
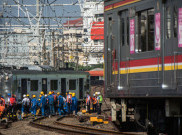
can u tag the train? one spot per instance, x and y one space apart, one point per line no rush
34 79
143 64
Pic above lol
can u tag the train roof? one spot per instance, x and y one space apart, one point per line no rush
48 72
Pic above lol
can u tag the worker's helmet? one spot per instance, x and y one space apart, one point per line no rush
24 95
98 93
42 93
39 99
45 95
34 96
50 92
73 94
27 95
58 93
70 93
94 95
9 94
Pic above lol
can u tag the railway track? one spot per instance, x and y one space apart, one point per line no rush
73 129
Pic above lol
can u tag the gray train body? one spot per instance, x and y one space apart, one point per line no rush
143 55
32 82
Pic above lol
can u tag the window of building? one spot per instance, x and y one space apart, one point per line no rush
175 21
96 42
72 84
54 84
168 22
145 30
34 85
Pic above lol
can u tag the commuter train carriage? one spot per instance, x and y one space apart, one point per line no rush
143 63
35 79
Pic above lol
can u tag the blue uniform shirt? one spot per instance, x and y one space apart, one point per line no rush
51 99
43 100
34 102
60 99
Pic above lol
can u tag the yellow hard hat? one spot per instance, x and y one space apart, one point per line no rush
50 92
58 93
73 94
42 93
39 99
34 96
27 95
70 93
95 93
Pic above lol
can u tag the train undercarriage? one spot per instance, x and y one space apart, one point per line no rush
151 115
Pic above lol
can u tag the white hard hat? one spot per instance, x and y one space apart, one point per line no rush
45 95
93 94
24 95
98 93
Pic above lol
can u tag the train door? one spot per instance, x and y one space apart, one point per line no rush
170 42
109 40
72 86
63 86
124 44
44 85
80 88
23 87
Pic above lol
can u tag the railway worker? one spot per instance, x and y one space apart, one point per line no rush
46 105
25 105
38 106
60 101
74 103
2 101
69 102
51 103
13 104
8 103
42 103
94 101
88 102
55 101
99 100
34 105
30 109
2 106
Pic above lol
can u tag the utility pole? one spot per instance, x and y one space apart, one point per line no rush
63 52
77 58
53 55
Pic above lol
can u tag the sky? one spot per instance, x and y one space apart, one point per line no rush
47 11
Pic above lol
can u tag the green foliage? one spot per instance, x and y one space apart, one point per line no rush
85 68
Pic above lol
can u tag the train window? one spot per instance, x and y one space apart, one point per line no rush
122 31
34 85
145 30
72 84
168 22
54 84
128 33
124 28
175 21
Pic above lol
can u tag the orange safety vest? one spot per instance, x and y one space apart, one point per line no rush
2 108
94 100
69 98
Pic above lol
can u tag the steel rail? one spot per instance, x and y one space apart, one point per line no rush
73 129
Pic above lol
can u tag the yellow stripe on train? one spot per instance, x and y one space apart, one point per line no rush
153 69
